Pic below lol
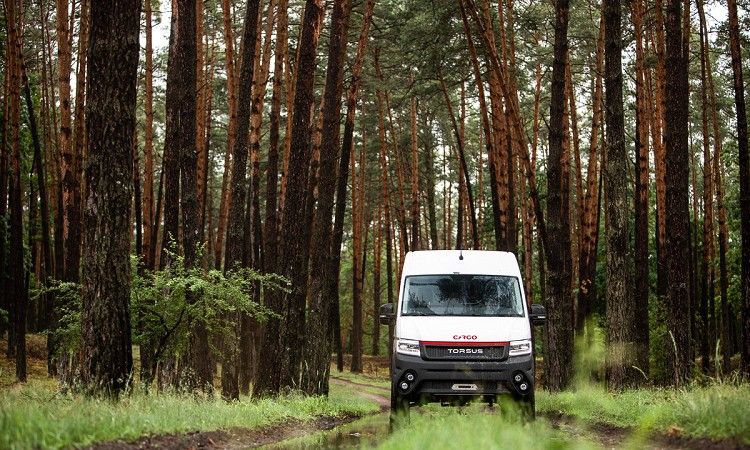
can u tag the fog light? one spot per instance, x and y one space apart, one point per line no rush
404 385
518 378
523 386
410 376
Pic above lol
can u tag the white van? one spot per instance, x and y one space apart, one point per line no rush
462 330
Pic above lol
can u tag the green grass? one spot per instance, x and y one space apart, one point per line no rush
35 416
380 380
450 428
717 411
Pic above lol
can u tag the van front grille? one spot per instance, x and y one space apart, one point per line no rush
463 353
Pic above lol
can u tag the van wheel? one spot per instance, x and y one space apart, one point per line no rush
527 407
399 409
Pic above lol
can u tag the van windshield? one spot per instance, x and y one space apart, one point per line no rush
462 295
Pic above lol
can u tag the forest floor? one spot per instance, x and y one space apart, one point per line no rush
34 415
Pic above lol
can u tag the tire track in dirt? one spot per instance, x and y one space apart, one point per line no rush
241 438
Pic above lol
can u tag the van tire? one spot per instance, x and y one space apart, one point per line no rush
399 408
528 408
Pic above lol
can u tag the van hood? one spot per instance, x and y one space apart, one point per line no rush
462 329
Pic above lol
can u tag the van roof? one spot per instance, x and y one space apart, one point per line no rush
475 262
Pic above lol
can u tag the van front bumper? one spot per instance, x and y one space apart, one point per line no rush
448 380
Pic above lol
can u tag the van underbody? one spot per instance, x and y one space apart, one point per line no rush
458 382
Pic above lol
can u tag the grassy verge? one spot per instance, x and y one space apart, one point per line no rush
717 411
449 428
35 416
380 380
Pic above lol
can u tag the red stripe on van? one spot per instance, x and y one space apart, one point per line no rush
465 344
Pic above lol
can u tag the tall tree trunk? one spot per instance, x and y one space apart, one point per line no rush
621 322
16 267
236 201
516 122
79 143
232 87
4 162
148 144
385 186
464 167
560 325
110 125
589 219
253 229
377 264
659 130
640 311
498 156
70 216
707 268
332 285
271 241
358 254
744 177
47 302
718 170
676 213
198 373
414 179
295 232
497 208
318 336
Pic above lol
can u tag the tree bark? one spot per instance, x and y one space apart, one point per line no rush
464 167
318 331
271 241
676 213
224 203
639 321
744 177
16 267
589 219
414 179
332 286
560 305
377 264
110 125
707 267
69 178
295 232
718 170
148 144
621 304
234 250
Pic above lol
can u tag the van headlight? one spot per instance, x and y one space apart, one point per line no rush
407 347
518 348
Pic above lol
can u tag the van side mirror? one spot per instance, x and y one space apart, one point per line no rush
538 314
386 314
